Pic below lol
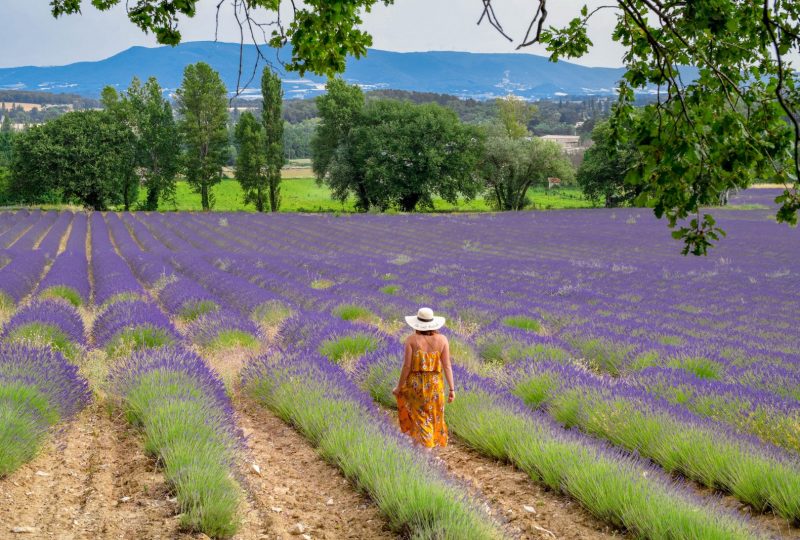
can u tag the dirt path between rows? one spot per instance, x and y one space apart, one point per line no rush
524 509
528 509
91 481
295 485
290 483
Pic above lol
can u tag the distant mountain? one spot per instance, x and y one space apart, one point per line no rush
475 75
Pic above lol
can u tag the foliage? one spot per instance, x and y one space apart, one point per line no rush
80 157
605 165
515 113
552 116
511 167
338 109
729 121
157 145
251 160
203 111
272 97
6 147
126 116
297 138
400 155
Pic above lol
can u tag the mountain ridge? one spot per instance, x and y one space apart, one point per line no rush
463 74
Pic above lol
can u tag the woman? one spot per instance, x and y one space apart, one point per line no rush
420 391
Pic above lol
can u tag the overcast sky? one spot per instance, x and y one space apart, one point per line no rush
30 36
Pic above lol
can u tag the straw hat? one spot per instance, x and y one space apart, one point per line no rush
424 320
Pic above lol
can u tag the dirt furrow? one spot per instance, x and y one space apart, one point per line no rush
529 510
92 481
295 485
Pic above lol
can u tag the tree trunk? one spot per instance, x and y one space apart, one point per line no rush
363 200
259 200
499 196
152 198
519 197
274 192
409 202
126 196
204 197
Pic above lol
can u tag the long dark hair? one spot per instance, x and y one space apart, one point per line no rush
427 332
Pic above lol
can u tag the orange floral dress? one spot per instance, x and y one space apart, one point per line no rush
421 402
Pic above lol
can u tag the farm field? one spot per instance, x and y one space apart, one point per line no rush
300 194
184 375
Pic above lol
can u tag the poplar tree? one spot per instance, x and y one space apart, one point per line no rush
203 110
272 94
251 170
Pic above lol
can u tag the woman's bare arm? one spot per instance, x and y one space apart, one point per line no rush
406 369
448 370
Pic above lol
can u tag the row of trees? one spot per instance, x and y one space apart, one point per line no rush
395 154
387 154
260 148
103 158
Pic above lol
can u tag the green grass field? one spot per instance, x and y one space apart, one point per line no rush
304 195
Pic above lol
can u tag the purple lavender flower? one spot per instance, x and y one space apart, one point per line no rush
47 371
69 277
132 315
209 328
55 313
19 277
183 297
112 276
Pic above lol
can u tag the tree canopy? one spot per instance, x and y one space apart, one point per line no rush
393 154
605 166
728 120
251 160
203 111
271 119
510 166
80 157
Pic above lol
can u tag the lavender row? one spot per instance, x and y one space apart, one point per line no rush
187 419
112 277
761 475
418 498
21 225
500 427
38 388
19 277
764 414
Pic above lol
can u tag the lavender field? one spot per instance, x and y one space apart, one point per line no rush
229 374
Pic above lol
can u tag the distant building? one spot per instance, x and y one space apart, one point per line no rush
570 144
567 142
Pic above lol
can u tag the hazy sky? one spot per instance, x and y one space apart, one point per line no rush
30 36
